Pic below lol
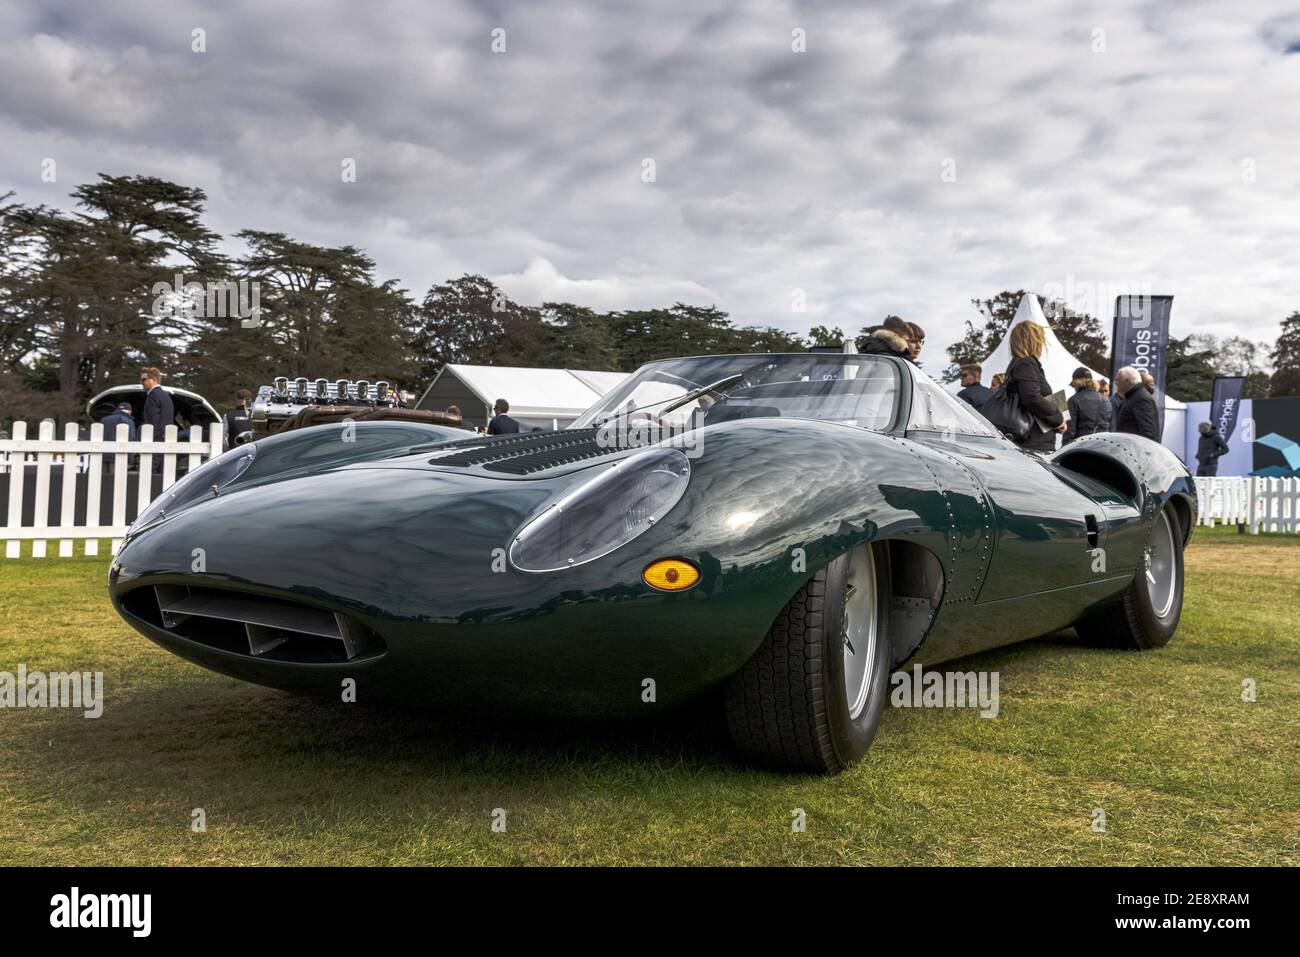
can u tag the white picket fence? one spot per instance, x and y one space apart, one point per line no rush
25 460
1261 504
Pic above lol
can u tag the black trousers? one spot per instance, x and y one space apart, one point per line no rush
1207 470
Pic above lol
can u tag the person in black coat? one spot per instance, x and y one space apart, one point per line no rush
158 408
1090 411
502 424
1137 414
891 338
1210 447
1025 378
973 391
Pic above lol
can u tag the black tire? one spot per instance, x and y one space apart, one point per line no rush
1134 621
788 707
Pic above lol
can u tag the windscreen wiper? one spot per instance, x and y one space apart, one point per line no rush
716 387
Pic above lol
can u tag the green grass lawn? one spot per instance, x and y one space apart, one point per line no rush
1186 772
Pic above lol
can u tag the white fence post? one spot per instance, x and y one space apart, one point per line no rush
94 477
68 499
24 460
17 474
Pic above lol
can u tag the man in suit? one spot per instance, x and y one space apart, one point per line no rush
123 415
502 424
973 391
1137 414
158 408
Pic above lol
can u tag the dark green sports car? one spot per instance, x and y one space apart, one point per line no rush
786 529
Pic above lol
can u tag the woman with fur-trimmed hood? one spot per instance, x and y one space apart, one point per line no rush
891 338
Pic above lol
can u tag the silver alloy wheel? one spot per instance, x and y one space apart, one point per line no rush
859 628
1161 569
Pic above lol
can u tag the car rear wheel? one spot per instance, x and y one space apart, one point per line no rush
1147 616
811 697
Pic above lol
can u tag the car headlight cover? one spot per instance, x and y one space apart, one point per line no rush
604 513
212 474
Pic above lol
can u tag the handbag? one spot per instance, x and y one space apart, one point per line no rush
1007 415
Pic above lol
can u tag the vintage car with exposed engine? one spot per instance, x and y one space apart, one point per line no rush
776 531
300 403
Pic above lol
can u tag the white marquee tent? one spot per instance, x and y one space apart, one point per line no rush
539 398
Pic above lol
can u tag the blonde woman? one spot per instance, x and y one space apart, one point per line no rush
1026 379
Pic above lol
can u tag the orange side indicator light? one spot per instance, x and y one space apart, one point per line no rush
671 574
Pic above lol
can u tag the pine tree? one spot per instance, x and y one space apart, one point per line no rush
1286 359
322 314
471 320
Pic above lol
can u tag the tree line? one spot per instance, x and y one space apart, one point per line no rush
126 279
87 297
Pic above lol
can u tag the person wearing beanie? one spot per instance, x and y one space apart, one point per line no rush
1090 411
124 414
1210 447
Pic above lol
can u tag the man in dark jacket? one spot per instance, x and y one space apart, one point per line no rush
124 415
1137 414
1210 447
1090 411
238 422
158 409
973 391
502 424
890 338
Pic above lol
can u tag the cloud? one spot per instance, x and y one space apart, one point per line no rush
1094 145
541 282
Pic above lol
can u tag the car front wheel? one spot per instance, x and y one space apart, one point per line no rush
811 697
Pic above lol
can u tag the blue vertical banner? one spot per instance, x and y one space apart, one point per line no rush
1141 339
1225 407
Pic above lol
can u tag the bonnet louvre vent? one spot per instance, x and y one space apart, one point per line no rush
523 454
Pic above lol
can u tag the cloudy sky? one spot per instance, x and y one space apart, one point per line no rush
898 158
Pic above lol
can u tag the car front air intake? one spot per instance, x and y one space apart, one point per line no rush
254 625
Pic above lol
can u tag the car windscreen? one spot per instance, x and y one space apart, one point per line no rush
854 390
